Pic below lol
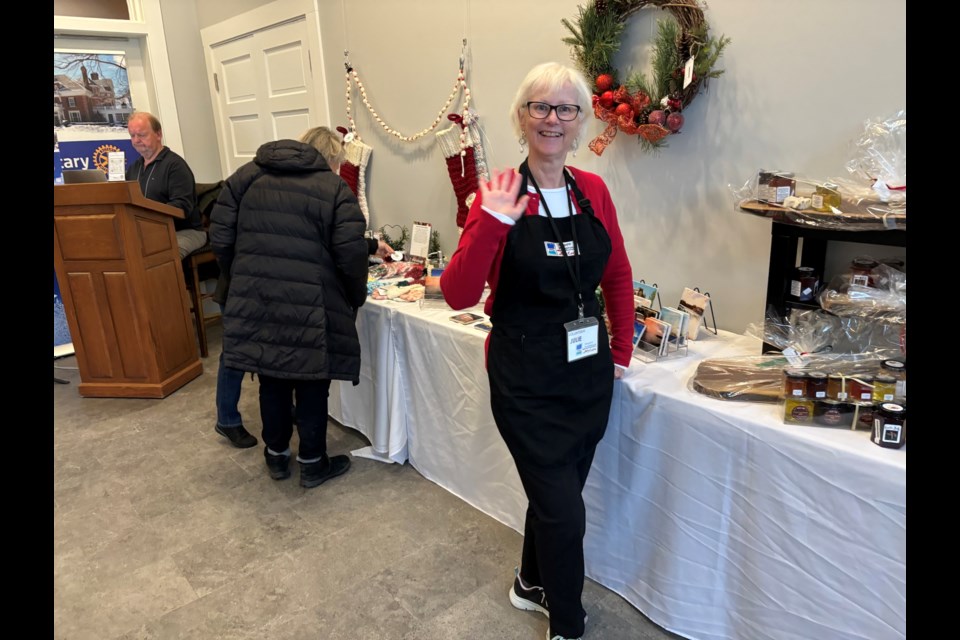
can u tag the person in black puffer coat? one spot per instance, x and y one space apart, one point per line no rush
289 232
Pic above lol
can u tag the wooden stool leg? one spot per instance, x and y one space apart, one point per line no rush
198 310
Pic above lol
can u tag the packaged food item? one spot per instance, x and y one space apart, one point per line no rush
798 411
890 425
794 383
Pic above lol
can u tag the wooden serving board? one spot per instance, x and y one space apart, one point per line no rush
783 214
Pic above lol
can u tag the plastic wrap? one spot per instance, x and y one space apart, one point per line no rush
880 295
814 331
873 196
760 378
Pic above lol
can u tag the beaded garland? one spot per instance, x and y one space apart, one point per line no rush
459 85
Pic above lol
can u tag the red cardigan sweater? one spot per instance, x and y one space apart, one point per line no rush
477 261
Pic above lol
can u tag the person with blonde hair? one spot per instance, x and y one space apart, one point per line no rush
544 238
229 380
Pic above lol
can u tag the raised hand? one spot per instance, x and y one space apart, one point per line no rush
500 193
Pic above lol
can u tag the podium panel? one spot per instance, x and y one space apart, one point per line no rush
116 257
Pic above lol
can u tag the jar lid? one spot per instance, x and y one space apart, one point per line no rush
892 408
806 269
830 185
795 373
817 374
885 379
864 377
865 263
894 365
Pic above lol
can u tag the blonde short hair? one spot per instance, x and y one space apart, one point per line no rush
327 142
551 76
149 117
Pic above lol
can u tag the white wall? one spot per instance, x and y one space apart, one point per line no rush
800 80
190 87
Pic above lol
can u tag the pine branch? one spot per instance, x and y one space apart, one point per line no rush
665 59
596 41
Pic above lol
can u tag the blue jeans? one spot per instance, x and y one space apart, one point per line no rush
229 382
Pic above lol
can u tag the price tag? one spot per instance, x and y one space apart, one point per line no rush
688 73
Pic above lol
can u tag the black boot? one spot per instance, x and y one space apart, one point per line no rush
316 473
278 466
238 436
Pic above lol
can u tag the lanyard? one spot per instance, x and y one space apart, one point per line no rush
574 277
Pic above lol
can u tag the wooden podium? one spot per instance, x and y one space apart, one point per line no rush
116 258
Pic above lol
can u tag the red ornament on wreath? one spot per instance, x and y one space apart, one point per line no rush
674 121
680 39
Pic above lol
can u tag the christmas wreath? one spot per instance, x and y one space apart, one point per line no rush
684 56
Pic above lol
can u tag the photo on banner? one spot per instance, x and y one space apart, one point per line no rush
91 105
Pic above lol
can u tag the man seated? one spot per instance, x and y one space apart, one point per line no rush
165 177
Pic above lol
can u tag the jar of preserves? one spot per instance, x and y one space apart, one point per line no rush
838 387
890 425
861 271
897 369
765 192
774 187
884 388
794 383
861 388
783 186
864 419
830 413
826 198
817 385
803 285
798 410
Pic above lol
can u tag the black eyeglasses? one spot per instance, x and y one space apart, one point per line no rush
541 110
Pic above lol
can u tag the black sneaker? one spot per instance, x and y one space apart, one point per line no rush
532 599
313 474
278 466
238 436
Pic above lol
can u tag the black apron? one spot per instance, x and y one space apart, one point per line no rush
548 411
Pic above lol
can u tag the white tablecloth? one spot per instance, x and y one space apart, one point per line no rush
712 517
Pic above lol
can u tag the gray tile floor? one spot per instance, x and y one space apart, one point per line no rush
162 530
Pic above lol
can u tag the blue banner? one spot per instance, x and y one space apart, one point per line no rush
92 154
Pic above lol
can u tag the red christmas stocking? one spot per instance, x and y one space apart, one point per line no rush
462 167
353 169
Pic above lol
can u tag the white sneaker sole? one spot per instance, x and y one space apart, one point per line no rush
526 605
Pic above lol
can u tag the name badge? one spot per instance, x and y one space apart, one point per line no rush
582 338
553 248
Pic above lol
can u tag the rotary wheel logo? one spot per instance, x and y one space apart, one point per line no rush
100 157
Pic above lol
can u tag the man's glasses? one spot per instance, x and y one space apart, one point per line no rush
541 110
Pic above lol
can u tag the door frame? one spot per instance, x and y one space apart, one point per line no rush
260 19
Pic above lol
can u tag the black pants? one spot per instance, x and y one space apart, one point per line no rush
276 395
553 539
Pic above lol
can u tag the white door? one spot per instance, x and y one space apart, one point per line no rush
263 84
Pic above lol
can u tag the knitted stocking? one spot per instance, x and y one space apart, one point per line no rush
463 168
353 170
